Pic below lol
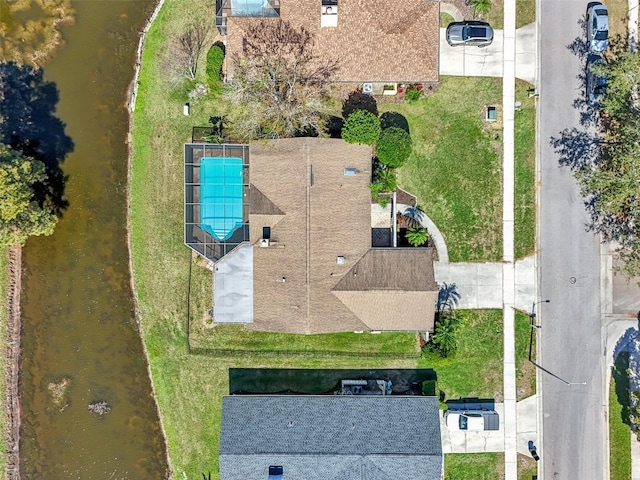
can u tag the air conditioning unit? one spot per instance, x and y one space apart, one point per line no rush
367 88
264 242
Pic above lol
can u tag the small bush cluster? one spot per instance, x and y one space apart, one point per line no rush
389 133
215 58
362 127
413 94
393 147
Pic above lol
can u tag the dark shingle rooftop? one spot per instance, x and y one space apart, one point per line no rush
330 437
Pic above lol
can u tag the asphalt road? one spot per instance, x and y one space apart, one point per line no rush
573 417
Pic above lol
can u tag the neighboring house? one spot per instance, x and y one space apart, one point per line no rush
376 41
288 223
330 437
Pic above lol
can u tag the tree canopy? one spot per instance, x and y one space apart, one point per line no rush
362 127
20 214
279 85
607 165
393 147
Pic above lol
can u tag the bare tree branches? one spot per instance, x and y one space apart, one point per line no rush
184 52
280 82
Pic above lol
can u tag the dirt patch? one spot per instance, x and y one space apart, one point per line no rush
12 365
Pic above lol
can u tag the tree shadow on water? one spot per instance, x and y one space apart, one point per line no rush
28 125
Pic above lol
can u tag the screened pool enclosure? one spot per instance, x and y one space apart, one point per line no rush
216 181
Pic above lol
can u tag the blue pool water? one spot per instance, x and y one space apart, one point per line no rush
221 196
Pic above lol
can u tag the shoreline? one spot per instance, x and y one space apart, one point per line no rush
12 364
132 93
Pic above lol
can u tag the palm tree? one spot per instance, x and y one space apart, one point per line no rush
417 236
444 338
387 178
481 7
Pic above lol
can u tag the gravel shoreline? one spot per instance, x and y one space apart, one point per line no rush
12 365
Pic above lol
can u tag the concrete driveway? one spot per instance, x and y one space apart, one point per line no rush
487 61
458 441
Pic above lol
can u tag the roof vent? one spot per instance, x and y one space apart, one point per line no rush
350 172
340 260
275 472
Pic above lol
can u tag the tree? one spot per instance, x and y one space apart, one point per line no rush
607 168
357 100
184 51
481 7
393 147
445 337
417 236
20 214
280 86
362 127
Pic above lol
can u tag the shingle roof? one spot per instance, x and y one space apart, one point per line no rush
322 221
330 437
375 40
321 214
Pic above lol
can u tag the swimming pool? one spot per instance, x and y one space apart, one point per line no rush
221 196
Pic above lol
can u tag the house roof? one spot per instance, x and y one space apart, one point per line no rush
375 40
320 437
304 281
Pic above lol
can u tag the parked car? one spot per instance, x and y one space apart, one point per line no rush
472 419
596 82
598 28
479 34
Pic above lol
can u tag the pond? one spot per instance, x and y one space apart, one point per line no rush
80 342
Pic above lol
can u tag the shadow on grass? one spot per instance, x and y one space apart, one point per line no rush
322 381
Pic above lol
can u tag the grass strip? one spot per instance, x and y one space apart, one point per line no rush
619 429
525 371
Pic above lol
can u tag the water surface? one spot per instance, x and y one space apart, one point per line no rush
78 322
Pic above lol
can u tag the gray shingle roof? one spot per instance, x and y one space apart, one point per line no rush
330 437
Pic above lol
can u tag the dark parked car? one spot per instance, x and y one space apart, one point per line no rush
596 82
598 28
479 34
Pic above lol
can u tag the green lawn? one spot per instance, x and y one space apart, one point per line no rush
236 338
455 169
619 430
474 466
476 369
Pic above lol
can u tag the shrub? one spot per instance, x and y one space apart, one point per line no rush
215 57
393 147
359 101
394 119
445 338
413 94
417 236
361 126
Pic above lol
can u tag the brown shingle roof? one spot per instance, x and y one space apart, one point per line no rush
375 40
327 214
